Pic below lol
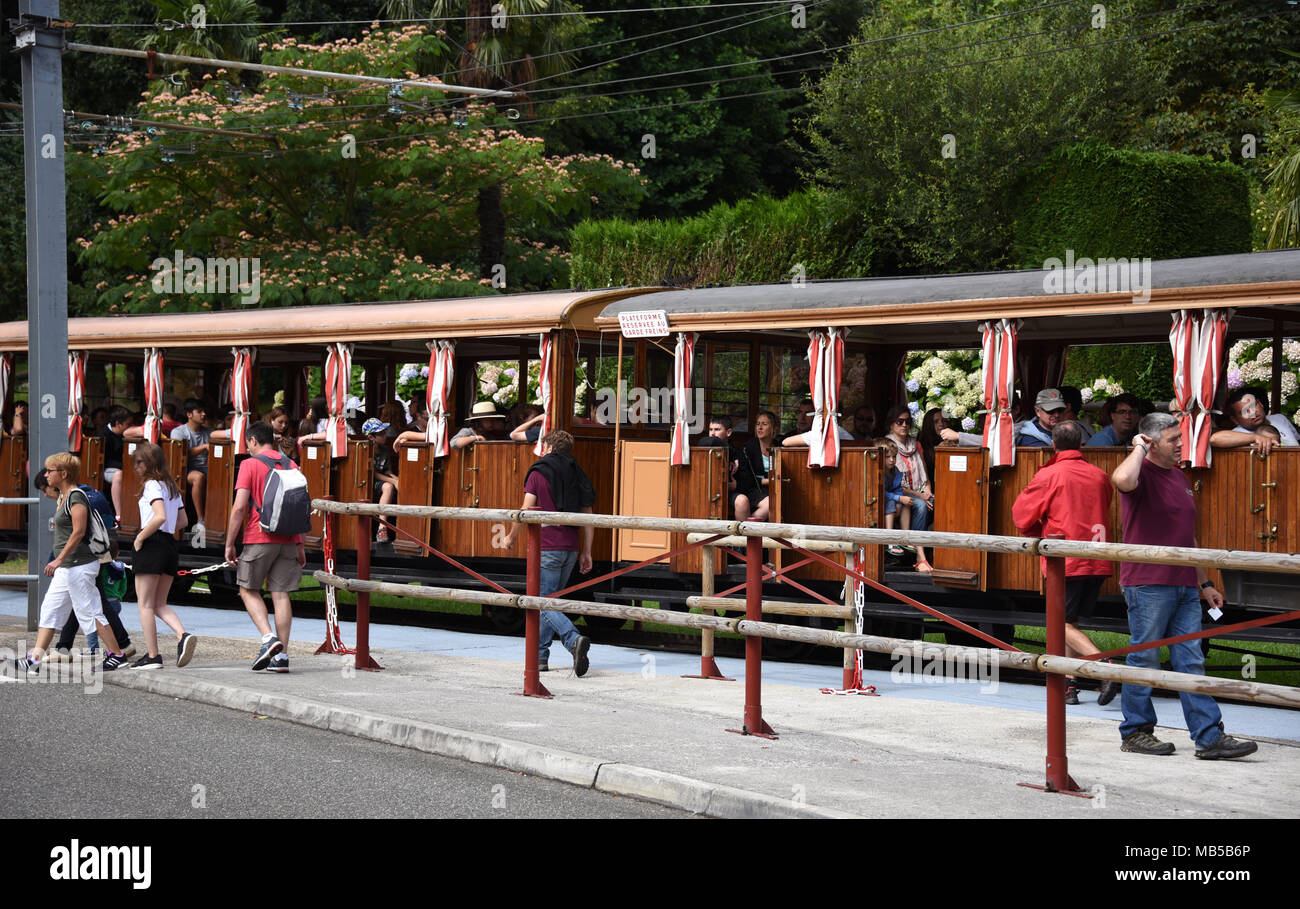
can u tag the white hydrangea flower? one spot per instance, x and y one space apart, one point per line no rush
1086 394
1265 355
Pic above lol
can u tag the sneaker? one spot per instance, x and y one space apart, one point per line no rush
1227 748
543 667
1107 692
25 666
279 663
580 662
114 661
382 535
185 649
61 655
148 662
1143 742
1072 694
269 649
129 651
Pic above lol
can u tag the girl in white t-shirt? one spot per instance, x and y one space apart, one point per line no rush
162 513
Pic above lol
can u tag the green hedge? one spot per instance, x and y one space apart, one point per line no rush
759 240
1101 201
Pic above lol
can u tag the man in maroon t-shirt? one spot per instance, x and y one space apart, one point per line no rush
274 559
558 483
1159 509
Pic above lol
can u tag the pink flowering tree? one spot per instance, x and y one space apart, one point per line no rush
342 191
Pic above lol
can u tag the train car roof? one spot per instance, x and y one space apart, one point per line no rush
414 320
945 310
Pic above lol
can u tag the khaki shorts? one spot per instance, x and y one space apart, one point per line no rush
275 563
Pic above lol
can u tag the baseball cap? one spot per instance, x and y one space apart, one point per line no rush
1050 399
374 424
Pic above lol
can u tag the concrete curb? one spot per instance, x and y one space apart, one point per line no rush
629 780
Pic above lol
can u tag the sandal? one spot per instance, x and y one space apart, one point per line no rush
382 535
923 566
895 551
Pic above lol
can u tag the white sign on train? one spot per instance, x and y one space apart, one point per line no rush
646 323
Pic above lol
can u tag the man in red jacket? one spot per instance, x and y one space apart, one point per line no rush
1071 497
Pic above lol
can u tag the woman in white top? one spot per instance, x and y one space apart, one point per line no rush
162 513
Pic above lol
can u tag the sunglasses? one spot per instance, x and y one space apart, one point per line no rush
903 422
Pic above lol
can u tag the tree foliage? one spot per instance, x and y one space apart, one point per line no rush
355 193
925 128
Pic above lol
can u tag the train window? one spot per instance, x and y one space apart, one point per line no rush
109 384
782 382
728 383
853 387
595 385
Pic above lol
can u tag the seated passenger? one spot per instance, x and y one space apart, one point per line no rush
170 419
748 501
911 464
897 500
197 439
760 455
419 414
864 423
119 418
1048 408
1074 409
1124 411
485 424
1247 408
528 422
386 483
803 423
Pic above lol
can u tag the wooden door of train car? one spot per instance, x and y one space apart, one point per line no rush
353 481
13 481
174 451
961 505
649 487
417 473
220 497
315 466
848 495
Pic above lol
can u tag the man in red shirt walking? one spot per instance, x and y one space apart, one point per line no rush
274 559
1071 497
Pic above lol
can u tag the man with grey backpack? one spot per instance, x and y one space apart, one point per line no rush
272 510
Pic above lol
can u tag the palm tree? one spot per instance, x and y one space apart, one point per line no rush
529 48
1284 178
234 43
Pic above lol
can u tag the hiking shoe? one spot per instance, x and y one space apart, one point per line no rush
148 662
117 661
1143 742
1072 694
185 649
580 662
1227 748
279 663
1107 692
269 649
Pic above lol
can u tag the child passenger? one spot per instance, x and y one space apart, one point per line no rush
894 497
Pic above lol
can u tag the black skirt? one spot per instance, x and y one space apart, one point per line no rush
157 555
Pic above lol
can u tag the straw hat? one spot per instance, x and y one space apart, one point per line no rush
485 410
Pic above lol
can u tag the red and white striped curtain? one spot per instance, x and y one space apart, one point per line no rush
241 396
338 376
999 369
545 349
825 368
442 367
153 394
76 394
6 376
1197 341
683 366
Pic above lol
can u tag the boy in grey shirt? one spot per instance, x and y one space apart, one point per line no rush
196 436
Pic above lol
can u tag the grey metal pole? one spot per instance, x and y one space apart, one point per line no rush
41 49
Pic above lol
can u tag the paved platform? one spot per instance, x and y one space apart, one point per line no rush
924 748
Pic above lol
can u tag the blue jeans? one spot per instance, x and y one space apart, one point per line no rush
557 564
1158 611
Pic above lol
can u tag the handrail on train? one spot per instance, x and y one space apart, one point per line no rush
1053 664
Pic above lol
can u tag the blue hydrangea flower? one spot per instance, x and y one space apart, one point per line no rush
913 407
913 385
967 424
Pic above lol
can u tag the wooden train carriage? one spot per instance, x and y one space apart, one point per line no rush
382 336
885 318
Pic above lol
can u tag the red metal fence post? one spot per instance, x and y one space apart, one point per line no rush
363 599
1058 774
754 724
533 686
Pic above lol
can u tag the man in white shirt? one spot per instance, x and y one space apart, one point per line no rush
1248 409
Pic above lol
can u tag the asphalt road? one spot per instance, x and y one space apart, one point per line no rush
125 753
